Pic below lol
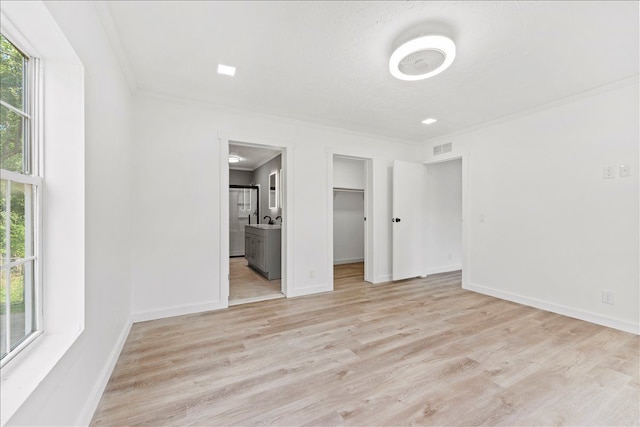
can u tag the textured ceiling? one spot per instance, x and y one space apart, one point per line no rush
250 157
327 62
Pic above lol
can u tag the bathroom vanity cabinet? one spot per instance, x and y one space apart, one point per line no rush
262 249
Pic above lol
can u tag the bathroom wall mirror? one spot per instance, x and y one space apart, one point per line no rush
273 190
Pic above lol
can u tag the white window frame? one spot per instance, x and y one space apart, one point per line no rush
33 176
62 232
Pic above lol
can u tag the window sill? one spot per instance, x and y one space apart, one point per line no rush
22 375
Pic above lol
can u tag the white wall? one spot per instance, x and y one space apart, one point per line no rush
556 233
237 177
348 227
68 395
444 217
348 173
183 207
261 177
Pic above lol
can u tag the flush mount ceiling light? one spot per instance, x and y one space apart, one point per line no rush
422 57
234 158
227 70
429 121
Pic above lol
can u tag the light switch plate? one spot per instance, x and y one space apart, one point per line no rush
625 170
608 172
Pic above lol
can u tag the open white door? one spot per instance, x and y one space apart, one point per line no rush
408 219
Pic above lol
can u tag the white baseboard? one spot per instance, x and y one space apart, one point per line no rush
96 394
347 261
587 316
382 279
310 290
178 311
444 269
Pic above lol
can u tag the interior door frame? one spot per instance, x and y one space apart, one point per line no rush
466 219
369 247
286 178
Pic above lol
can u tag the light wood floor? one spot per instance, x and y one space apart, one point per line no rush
419 352
245 285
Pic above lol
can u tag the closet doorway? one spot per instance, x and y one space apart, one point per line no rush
444 245
349 221
255 223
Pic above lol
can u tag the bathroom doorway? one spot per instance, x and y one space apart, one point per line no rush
255 223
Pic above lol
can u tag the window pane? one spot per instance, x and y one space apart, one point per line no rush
3 314
12 137
21 221
21 313
3 221
21 299
12 71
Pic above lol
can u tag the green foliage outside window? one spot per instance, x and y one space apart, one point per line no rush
12 125
12 153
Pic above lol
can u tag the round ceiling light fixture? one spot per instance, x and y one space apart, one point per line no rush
234 158
422 57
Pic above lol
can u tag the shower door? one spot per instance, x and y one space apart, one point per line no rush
243 210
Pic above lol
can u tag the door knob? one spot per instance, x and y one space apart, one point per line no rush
395 219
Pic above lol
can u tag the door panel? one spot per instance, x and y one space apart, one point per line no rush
248 248
408 219
260 253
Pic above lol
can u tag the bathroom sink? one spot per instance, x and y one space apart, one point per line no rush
265 226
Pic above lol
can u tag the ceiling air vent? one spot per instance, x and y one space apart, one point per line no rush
441 149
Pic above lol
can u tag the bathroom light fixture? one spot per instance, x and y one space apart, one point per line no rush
227 70
422 57
429 121
234 158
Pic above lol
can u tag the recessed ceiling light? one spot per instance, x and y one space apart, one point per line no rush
234 158
429 121
422 57
227 70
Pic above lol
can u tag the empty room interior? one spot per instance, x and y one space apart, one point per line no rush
320 213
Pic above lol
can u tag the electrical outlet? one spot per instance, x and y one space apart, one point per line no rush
608 172
312 273
608 297
482 218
